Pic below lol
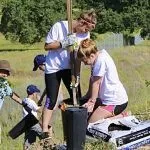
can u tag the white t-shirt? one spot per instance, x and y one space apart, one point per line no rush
59 59
31 104
111 90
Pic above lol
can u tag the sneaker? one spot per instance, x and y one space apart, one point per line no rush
45 135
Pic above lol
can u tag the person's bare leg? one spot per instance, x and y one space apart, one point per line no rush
47 114
121 115
99 114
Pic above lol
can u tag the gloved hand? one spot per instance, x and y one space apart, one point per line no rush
24 104
77 80
68 41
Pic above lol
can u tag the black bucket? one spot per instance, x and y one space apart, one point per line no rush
74 127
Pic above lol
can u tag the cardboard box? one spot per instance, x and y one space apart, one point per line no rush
134 138
137 136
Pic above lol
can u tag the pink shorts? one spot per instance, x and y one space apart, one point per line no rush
114 109
109 108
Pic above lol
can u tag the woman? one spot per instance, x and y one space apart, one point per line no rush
57 64
106 96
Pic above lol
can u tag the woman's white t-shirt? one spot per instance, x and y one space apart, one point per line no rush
60 59
111 90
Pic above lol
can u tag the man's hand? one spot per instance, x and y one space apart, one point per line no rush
69 41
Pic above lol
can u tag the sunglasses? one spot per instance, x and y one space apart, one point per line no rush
90 25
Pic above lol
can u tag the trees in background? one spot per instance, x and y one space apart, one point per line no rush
124 16
28 20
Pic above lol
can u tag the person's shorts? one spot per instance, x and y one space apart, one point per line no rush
31 134
114 109
53 81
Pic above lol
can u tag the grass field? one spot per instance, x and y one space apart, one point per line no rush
133 64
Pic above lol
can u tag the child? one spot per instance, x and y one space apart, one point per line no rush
104 83
39 62
36 130
5 89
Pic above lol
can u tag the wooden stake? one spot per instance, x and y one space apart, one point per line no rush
69 15
72 56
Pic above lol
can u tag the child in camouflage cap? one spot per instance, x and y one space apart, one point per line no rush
5 89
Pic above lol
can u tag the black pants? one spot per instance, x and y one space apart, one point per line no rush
53 83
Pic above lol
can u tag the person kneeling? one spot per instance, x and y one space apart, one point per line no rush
106 96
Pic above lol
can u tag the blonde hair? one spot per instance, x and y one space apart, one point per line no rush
87 47
89 16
